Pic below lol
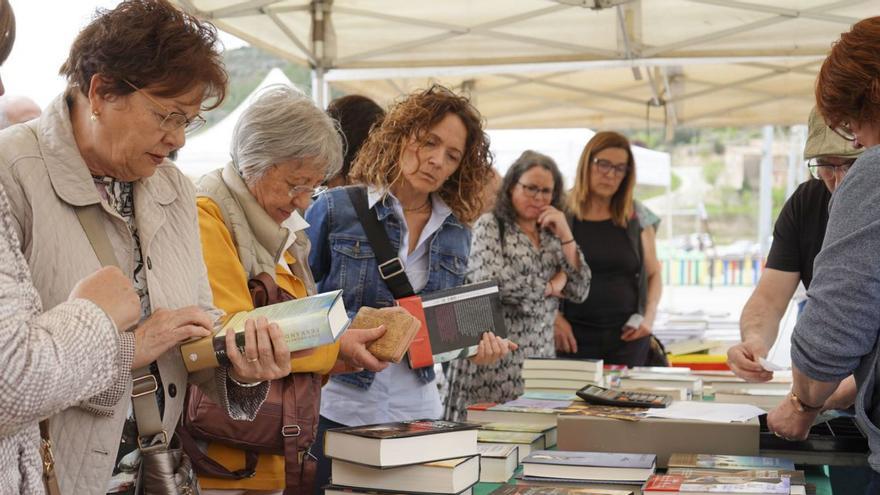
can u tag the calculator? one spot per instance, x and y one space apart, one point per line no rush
593 394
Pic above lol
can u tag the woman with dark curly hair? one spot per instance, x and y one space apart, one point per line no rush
90 184
423 170
527 246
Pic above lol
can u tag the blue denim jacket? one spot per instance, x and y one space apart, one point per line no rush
342 258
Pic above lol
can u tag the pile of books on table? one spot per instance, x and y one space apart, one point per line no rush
698 474
561 375
420 456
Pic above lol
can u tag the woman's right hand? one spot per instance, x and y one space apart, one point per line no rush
564 335
166 328
113 292
353 349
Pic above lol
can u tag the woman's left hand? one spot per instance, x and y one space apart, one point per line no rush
266 356
554 221
786 422
632 333
491 349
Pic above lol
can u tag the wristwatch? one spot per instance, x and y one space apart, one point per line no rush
800 406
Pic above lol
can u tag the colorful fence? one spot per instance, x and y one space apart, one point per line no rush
699 270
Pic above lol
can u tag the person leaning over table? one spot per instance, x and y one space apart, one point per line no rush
138 76
837 333
423 169
283 148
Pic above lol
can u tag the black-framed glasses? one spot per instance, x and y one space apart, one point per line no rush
535 191
819 166
843 130
172 120
607 167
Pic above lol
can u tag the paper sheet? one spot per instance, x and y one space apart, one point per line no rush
771 366
715 412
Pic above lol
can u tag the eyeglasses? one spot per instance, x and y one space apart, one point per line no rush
843 130
607 167
294 191
172 121
535 191
819 166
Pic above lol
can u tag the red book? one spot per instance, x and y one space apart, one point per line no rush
663 483
420 354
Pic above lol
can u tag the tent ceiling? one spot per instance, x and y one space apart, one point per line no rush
559 63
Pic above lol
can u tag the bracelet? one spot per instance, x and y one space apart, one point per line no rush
244 385
800 406
563 243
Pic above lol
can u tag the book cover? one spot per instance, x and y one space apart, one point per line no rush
454 322
496 451
555 490
545 363
696 475
305 323
591 459
400 329
673 483
729 462
405 429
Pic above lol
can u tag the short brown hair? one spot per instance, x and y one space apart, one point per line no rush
848 86
356 115
149 43
378 165
622 200
7 30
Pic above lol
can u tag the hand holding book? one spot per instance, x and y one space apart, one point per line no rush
265 357
492 348
353 353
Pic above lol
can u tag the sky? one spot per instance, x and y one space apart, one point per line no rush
45 30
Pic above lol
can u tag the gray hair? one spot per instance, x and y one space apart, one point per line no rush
281 125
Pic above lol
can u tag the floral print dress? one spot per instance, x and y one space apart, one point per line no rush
522 272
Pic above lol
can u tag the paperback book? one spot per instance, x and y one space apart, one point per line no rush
526 442
674 484
735 462
589 466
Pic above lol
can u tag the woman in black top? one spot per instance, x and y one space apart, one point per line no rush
615 321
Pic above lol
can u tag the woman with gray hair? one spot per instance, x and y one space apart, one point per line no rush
283 148
527 246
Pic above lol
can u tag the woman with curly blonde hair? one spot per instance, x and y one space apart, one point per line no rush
421 172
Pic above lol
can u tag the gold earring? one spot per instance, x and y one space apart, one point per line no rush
93 117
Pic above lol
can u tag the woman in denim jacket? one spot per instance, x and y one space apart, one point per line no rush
423 168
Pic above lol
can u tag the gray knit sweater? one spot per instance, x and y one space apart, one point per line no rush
48 362
837 333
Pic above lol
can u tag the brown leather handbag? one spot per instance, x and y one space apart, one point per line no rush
285 425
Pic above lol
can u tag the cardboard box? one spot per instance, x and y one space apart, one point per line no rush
663 437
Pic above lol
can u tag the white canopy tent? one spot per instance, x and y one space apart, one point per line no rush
562 63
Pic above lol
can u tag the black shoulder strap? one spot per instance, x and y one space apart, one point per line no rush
391 269
500 230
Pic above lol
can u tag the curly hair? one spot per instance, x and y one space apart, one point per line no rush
378 163
148 43
7 30
527 160
622 200
848 86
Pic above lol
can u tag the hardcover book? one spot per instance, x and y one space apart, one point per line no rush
401 443
497 462
693 475
674 484
346 490
447 476
737 462
549 432
589 466
556 490
305 323
581 365
453 322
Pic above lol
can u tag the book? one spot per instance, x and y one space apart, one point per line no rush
400 329
589 466
590 376
649 380
673 484
305 323
448 476
401 443
526 442
557 384
346 490
453 322
796 477
556 490
765 399
584 365
548 431
676 393
497 462
737 462
524 411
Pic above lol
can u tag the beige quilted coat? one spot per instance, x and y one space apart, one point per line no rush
45 177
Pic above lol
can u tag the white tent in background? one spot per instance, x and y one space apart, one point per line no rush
209 149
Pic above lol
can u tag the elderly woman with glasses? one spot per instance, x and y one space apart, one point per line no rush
283 147
615 321
838 333
90 184
527 246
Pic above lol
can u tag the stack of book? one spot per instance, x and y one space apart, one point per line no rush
588 467
526 442
705 474
522 411
677 385
549 432
497 462
727 387
420 456
561 375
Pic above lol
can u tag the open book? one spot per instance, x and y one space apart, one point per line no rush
307 322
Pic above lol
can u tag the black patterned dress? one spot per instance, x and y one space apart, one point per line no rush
522 272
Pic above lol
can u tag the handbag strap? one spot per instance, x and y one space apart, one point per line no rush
144 383
50 481
391 268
